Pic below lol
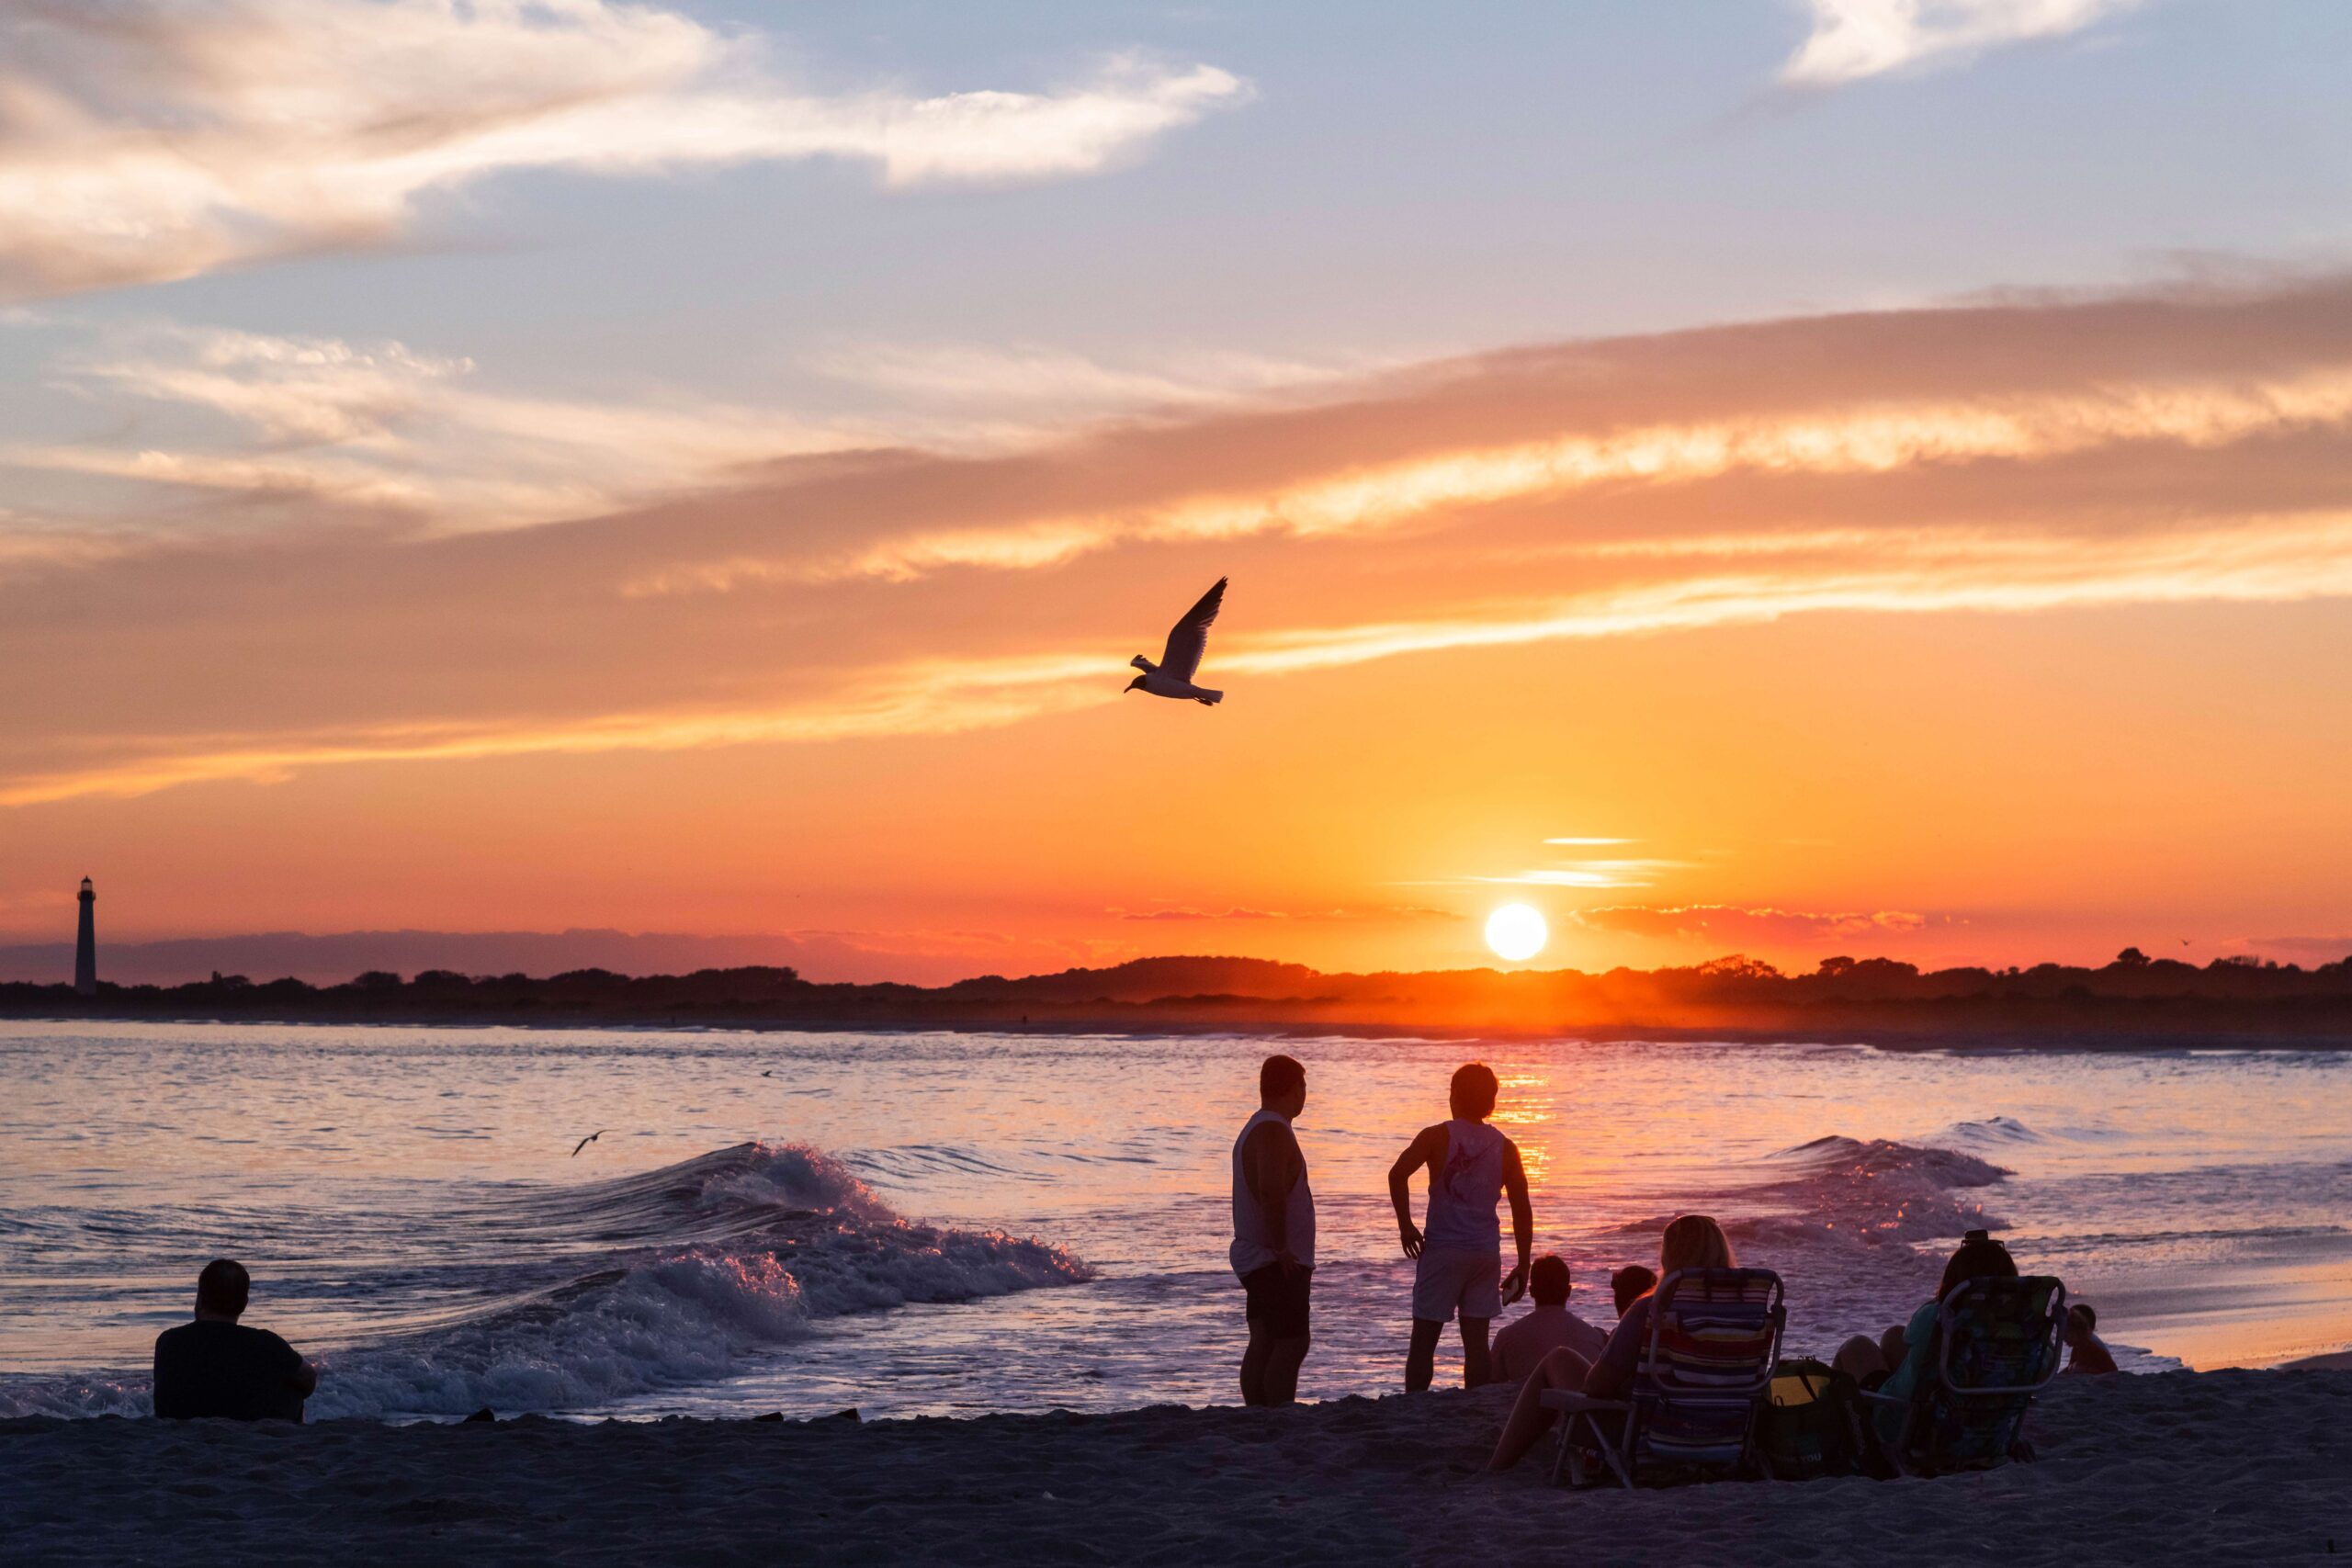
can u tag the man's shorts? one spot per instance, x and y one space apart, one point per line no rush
1450 1277
1278 1300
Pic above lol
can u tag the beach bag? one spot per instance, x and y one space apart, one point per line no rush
1808 1423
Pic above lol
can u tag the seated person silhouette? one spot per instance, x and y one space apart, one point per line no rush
1630 1284
1550 1326
2091 1356
215 1366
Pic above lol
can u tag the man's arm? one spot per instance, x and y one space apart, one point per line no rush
1272 1165
1422 1151
305 1378
1522 1220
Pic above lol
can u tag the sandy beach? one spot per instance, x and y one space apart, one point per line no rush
2174 1468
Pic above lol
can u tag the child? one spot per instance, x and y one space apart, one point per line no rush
2091 1356
1457 1259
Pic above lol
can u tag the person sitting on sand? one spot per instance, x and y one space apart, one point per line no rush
1693 1241
2091 1357
1273 1234
1457 1259
1550 1326
216 1366
1630 1284
1899 1361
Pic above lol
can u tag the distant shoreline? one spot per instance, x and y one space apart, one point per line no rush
2133 1004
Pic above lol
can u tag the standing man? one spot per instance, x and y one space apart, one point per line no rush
1273 1234
1458 1258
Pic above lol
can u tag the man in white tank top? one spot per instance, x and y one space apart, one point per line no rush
1459 1254
1273 1234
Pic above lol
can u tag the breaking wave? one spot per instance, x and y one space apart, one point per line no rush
673 1276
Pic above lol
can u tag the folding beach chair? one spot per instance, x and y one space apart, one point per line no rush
1998 1344
1714 1336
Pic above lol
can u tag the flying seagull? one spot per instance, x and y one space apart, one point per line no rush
1173 676
588 1140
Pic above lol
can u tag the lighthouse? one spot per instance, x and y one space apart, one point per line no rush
86 945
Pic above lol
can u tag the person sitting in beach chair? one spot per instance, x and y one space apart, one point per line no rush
1457 1260
1679 1382
2091 1357
1630 1284
215 1366
1549 1326
1972 1361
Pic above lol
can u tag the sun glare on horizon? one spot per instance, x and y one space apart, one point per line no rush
1517 931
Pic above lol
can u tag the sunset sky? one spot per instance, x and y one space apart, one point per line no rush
1790 477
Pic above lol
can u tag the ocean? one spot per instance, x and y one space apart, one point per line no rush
949 1224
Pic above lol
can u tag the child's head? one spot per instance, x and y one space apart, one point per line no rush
1548 1282
1473 1091
2082 1323
1630 1284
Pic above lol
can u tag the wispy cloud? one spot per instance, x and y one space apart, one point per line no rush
1738 925
160 138
1873 438
384 430
1852 40
1186 913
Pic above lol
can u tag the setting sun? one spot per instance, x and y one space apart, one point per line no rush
1517 933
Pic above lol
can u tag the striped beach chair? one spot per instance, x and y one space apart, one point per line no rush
1997 1344
1714 1336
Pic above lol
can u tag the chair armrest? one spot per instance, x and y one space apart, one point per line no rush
1573 1402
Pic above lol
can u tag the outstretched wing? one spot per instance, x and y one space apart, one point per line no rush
1191 637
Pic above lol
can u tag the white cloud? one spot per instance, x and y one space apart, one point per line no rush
1852 40
381 428
158 139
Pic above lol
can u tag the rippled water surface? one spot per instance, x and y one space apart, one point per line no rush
949 1223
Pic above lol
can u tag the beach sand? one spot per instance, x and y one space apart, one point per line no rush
2176 1468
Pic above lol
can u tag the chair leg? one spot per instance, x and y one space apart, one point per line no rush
1561 1458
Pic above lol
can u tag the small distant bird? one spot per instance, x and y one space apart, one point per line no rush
769 1074
1173 676
588 1140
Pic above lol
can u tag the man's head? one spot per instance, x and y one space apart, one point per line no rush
1473 1091
1630 1284
222 1289
1548 1282
1282 1087
2082 1323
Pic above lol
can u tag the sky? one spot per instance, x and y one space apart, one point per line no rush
1785 477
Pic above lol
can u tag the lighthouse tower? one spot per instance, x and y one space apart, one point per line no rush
86 945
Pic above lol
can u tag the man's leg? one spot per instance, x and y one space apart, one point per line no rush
1527 1419
1421 1361
1477 1370
1283 1358
1254 1362
1859 1357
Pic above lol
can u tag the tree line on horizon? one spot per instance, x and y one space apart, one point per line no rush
1735 991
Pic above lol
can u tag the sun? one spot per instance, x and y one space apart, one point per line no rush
1517 931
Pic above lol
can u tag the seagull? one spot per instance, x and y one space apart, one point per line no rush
588 1140
1173 676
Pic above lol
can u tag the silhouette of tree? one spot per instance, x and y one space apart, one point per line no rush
2131 958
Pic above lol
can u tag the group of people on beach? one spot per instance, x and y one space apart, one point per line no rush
1458 1274
216 1366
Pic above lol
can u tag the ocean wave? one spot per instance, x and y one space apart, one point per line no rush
697 1268
1852 1191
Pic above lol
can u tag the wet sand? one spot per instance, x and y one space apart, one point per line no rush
2176 1468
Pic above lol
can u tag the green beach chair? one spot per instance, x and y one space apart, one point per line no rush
1714 1338
1998 1343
